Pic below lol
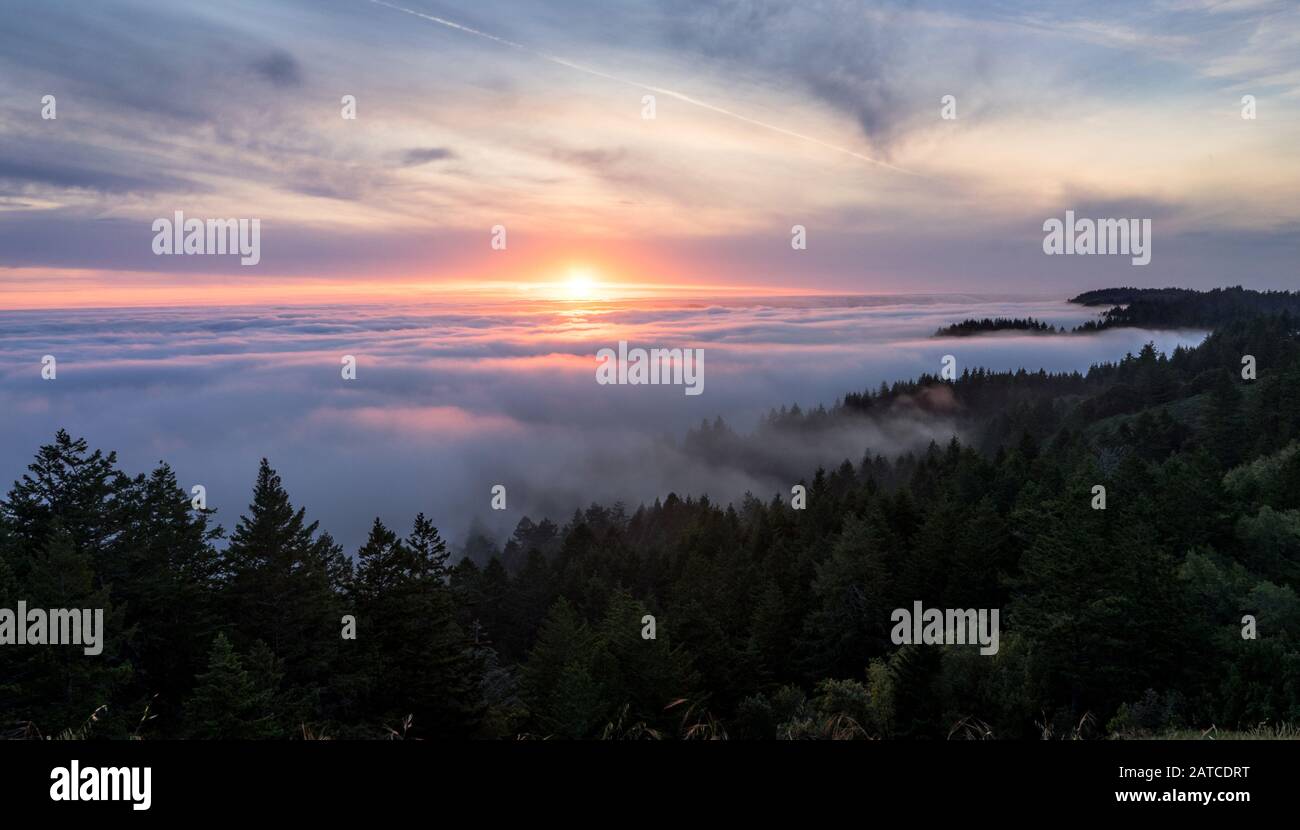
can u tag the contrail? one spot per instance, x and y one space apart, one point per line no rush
451 24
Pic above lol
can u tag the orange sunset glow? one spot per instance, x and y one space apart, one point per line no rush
459 134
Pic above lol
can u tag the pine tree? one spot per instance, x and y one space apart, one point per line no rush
417 659
530 596
431 553
1225 420
495 590
284 585
564 697
646 676
854 590
168 585
73 487
62 685
59 526
228 702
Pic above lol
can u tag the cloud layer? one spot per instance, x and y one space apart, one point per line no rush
450 400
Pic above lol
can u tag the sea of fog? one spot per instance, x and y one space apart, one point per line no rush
451 399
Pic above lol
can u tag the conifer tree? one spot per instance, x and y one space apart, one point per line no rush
284 584
228 702
63 684
563 696
168 581
73 487
415 655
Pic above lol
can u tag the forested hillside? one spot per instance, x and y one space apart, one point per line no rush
771 622
1150 308
1183 307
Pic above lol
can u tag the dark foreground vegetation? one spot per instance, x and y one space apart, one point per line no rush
771 622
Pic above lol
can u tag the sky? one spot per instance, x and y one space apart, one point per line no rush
530 115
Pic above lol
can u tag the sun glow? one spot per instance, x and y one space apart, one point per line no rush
580 285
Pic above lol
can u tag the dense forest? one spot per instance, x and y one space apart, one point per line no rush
771 622
987 324
1151 308
1160 308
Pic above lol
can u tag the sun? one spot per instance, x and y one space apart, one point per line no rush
580 285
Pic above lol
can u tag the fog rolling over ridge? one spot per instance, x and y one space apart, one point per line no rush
451 400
